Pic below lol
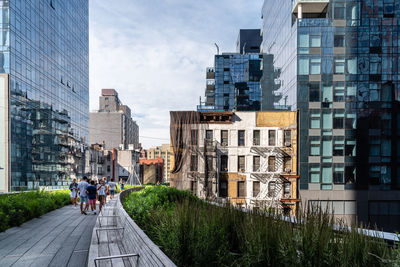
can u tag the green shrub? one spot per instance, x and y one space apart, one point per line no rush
194 233
15 209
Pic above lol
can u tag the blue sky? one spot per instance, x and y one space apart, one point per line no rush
155 52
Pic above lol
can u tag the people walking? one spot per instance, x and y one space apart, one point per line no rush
82 187
121 184
102 193
112 185
92 194
73 187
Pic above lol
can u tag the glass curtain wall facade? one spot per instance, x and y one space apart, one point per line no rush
44 51
236 84
340 68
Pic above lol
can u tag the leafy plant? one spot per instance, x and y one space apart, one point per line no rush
194 233
15 209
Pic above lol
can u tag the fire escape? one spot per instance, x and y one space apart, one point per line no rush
269 196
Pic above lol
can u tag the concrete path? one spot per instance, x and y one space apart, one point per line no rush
58 238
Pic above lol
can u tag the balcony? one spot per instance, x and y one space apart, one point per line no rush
309 6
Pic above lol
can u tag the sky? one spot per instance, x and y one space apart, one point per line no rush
155 53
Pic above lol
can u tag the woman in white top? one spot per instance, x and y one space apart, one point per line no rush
102 192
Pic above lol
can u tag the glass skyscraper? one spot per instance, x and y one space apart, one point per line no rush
338 62
44 89
234 81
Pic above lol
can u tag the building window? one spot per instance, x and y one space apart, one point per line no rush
256 163
352 65
224 163
241 189
327 146
304 40
287 137
339 65
315 119
375 148
256 137
339 11
241 164
193 163
193 137
271 163
287 164
256 188
351 120
224 137
304 66
338 146
209 135
314 92
326 174
315 41
271 189
339 92
338 174
327 119
315 146
338 40
223 189
327 95
241 134
108 168
286 188
338 119
271 137
314 173
350 147
315 66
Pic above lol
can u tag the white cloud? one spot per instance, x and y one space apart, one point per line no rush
154 53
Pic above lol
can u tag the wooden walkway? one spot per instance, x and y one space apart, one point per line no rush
58 238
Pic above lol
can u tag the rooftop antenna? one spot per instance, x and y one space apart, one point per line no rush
217 48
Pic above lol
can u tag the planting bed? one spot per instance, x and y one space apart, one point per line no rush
194 233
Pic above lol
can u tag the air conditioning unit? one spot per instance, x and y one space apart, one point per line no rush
224 144
241 170
287 143
288 170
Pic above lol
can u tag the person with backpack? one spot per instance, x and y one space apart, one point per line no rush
73 187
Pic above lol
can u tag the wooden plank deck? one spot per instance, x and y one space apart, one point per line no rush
58 238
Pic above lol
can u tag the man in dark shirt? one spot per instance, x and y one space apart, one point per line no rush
92 191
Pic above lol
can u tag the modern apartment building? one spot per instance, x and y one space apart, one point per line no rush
44 95
337 62
164 152
234 81
113 123
243 158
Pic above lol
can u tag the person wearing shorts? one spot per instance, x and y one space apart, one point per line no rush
73 187
92 194
82 186
102 193
112 186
